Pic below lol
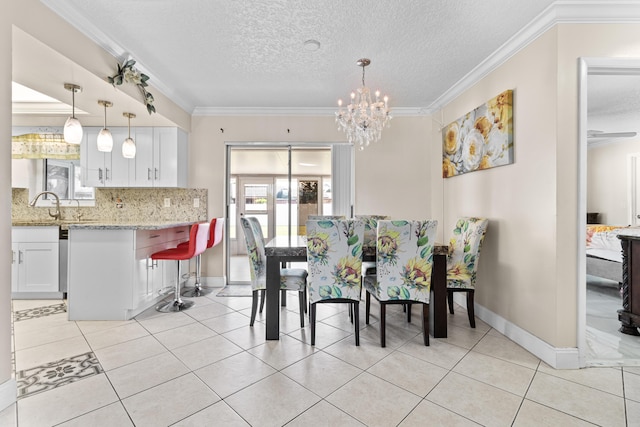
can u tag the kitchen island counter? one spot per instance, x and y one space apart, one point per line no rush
152 225
111 274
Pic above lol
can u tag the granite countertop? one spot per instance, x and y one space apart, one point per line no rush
102 225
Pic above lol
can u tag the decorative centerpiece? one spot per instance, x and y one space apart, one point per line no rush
129 74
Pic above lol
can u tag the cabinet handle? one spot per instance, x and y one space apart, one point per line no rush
106 174
153 236
149 174
100 174
156 173
13 257
19 257
179 231
154 264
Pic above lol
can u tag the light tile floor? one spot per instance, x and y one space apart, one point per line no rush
606 346
206 366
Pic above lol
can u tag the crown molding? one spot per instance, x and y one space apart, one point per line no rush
560 12
291 111
67 12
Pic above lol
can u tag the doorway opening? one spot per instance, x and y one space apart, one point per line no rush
280 185
608 183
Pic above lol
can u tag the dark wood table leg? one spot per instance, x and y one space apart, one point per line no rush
438 305
283 293
273 298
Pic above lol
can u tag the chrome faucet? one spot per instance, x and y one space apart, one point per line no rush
78 213
56 214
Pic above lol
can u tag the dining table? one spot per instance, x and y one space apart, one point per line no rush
285 249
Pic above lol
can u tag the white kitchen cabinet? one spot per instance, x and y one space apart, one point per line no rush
161 158
20 170
100 169
35 262
110 274
160 161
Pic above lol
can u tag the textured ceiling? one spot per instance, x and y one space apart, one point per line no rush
217 54
613 103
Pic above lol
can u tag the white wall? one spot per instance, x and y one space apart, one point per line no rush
607 180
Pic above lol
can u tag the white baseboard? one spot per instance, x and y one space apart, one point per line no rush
210 282
8 393
556 357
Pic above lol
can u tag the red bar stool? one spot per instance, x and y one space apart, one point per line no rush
216 232
198 237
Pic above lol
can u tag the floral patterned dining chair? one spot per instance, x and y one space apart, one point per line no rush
334 259
292 279
404 261
462 260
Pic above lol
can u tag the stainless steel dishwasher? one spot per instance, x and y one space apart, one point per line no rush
63 259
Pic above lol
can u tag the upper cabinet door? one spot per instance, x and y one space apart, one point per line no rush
92 161
119 169
169 157
144 168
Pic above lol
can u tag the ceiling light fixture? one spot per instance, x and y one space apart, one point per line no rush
363 119
72 127
129 146
105 139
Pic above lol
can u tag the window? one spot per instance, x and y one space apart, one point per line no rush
63 178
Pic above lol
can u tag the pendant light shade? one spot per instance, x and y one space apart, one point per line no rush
105 139
72 127
129 146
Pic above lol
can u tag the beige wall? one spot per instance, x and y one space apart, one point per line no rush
607 181
5 205
401 175
528 274
516 278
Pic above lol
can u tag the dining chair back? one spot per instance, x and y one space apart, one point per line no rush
404 261
462 260
334 258
292 279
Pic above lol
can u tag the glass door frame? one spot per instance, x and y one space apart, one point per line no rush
269 145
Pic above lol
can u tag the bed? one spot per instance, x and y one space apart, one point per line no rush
604 251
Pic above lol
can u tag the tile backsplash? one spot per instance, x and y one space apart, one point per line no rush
124 205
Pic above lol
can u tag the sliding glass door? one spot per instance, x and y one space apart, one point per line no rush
280 185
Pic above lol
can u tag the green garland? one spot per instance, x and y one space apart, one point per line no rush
129 74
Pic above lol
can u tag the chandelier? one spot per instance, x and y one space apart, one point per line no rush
363 118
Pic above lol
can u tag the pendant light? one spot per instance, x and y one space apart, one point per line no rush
105 139
129 146
72 127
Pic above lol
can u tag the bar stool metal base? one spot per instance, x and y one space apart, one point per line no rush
174 306
196 291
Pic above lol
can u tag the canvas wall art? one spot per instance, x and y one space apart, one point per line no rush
481 139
